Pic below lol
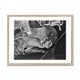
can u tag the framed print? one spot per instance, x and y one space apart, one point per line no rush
40 39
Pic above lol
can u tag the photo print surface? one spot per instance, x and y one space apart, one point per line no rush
39 39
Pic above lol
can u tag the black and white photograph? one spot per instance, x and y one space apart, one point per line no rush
39 39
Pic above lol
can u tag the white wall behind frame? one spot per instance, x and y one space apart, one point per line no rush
39 7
